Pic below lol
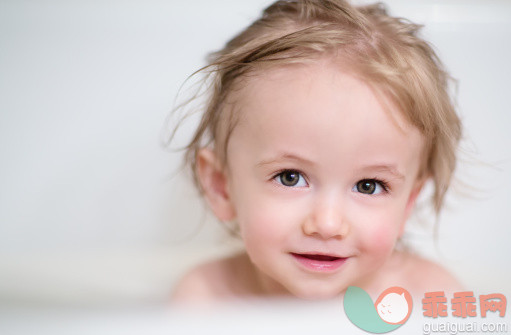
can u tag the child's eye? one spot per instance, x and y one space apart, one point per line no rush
291 178
370 186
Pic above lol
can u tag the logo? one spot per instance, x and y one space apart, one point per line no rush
389 312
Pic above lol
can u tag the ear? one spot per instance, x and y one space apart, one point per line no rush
410 204
214 184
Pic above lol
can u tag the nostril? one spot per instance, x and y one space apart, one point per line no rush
325 224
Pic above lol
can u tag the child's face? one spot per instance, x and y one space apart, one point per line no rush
320 178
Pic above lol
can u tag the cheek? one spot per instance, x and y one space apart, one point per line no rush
380 232
265 224
381 239
256 226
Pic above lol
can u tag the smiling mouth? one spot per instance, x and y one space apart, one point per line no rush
322 258
318 262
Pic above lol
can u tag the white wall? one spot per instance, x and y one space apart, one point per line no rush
89 211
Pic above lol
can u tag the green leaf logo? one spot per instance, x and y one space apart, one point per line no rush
389 312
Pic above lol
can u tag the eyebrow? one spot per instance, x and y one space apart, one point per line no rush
285 157
391 169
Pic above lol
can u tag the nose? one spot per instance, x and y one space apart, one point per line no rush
327 219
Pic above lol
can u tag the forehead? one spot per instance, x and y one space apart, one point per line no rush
316 106
330 74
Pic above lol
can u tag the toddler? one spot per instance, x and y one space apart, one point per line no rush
324 122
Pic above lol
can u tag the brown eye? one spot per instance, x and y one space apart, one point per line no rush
369 186
366 186
291 178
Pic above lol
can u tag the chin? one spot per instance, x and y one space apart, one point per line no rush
308 293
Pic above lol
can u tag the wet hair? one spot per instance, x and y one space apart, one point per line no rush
384 51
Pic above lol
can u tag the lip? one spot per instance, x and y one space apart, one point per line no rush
318 262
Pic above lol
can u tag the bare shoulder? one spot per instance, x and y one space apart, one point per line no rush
423 275
212 281
194 286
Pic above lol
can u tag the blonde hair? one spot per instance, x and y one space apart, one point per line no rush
383 50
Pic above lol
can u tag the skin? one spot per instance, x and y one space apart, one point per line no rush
326 128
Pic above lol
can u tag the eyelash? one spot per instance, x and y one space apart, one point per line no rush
383 183
281 172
